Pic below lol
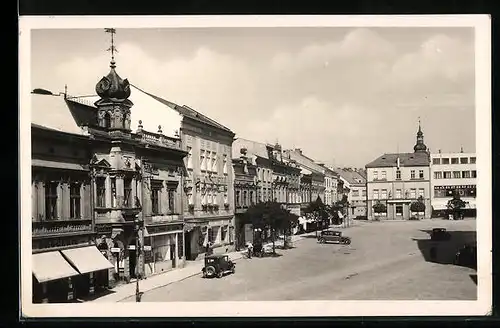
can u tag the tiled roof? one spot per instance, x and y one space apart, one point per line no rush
186 111
405 159
351 176
52 112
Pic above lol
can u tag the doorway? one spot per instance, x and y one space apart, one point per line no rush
132 262
173 255
187 245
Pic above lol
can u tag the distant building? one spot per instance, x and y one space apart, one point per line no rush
397 180
353 185
453 172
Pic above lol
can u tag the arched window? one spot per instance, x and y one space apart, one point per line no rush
107 120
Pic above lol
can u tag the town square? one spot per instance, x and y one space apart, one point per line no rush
190 165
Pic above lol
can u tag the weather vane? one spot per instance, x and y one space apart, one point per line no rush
113 49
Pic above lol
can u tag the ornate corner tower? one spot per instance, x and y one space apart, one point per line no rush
113 109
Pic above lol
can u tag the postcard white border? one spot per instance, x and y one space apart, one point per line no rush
482 306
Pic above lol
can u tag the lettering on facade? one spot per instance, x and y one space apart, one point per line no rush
163 228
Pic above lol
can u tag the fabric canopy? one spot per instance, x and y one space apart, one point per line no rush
51 266
87 259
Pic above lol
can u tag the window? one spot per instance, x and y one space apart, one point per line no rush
437 193
226 201
375 194
473 160
363 193
454 160
214 162
474 174
252 201
245 200
203 161
421 174
456 175
74 202
384 175
398 174
398 193
155 198
412 174
355 193
171 200
225 164
223 233
399 210
447 175
383 194
127 196
51 200
375 175
238 196
101 192
438 175
436 161
465 174
421 192
413 193
113 192
190 158
464 160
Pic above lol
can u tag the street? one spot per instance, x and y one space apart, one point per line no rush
386 260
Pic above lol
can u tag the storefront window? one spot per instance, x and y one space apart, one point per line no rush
399 210
51 200
74 205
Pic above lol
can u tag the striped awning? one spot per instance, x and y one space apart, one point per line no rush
87 259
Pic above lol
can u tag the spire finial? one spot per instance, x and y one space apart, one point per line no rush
419 124
65 91
112 48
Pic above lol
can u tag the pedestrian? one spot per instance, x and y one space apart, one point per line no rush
250 249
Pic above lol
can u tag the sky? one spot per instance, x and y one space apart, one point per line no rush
343 95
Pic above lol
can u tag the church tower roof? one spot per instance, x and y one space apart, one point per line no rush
420 146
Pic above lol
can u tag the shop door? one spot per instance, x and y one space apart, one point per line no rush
173 255
187 243
132 262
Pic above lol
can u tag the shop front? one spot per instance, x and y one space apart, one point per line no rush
163 248
220 234
67 275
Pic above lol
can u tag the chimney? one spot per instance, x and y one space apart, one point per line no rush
461 149
439 151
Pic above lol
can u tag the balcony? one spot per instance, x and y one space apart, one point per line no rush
158 139
56 228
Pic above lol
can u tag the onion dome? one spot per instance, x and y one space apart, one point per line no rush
420 146
112 86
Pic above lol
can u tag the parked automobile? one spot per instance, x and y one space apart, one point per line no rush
440 234
332 236
217 265
467 256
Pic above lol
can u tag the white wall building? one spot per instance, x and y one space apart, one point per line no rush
450 172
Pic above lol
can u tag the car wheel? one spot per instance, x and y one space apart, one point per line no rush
347 241
210 271
322 240
219 274
233 270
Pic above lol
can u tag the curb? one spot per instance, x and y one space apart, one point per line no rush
189 276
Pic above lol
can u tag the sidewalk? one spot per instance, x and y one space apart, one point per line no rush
191 269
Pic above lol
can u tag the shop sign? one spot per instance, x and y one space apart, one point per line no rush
115 250
131 247
147 248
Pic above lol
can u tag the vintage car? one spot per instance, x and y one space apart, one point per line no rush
466 256
439 234
217 265
332 236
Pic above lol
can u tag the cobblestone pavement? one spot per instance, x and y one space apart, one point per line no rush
385 261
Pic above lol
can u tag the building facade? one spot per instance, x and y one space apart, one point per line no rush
453 172
245 190
66 263
398 180
353 186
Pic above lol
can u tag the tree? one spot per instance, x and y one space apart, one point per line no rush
379 207
418 206
318 210
456 206
269 215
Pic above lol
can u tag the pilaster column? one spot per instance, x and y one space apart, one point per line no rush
34 201
107 183
138 189
134 191
83 208
41 199
176 246
119 190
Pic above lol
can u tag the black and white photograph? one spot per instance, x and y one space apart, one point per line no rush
255 166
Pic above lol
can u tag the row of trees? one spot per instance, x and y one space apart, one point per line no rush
276 218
